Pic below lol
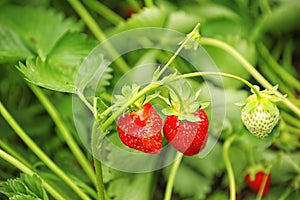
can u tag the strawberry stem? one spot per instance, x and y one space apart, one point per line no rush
196 74
96 139
229 169
251 156
191 35
171 179
86 103
263 184
156 84
104 11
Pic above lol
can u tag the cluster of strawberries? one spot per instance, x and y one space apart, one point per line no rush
142 130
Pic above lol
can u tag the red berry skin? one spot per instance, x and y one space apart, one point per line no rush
257 182
141 130
185 136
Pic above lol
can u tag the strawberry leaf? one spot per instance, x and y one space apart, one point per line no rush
60 70
39 34
25 187
94 75
59 50
11 46
70 50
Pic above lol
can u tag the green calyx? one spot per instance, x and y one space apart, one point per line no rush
183 102
267 100
253 170
128 93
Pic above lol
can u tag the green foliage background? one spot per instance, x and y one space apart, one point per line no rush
44 42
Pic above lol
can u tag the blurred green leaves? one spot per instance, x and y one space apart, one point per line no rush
25 188
37 34
50 48
50 44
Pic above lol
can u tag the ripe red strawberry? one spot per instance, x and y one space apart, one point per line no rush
186 136
257 181
141 129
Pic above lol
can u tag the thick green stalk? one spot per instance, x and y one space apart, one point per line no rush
79 155
265 7
286 193
278 49
288 78
274 78
290 119
229 49
13 161
263 185
291 129
171 179
13 153
35 148
88 19
101 9
96 141
98 33
229 169
251 155
287 54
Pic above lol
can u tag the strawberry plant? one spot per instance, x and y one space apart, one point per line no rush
180 100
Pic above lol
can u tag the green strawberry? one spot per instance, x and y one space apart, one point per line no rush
260 114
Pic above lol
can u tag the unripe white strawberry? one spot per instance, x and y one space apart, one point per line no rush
260 114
